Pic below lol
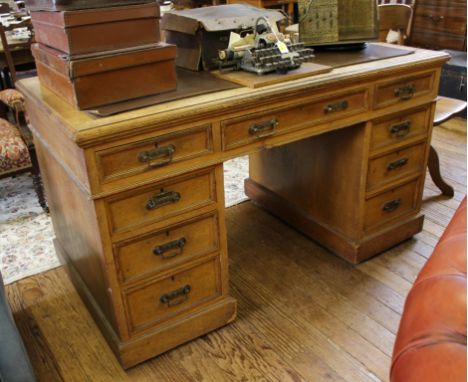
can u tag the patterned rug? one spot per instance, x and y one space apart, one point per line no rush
26 231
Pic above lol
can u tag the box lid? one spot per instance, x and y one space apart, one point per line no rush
67 19
217 18
66 5
87 64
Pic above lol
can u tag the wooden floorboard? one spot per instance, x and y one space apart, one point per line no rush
304 314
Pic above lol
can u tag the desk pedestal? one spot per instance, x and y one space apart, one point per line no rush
320 187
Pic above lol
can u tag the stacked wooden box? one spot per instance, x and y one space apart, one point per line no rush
101 55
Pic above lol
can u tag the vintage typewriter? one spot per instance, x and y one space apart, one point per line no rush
264 50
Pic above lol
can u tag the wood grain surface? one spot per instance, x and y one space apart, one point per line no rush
303 314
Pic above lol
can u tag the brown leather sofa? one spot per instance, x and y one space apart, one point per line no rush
431 341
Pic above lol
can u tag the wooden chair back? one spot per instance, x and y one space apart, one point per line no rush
395 17
9 45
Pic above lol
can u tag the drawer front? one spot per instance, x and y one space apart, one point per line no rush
153 153
428 40
254 127
160 201
167 248
396 165
404 89
390 205
399 129
173 295
441 19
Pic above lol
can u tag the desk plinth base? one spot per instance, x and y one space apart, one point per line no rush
352 251
163 337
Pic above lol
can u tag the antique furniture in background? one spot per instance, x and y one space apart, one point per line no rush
395 18
439 24
17 153
137 198
446 108
431 340
16 50
287 5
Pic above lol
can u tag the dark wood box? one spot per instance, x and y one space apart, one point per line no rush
97 30
68 5
95 80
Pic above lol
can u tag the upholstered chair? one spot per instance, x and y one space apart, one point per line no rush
17 154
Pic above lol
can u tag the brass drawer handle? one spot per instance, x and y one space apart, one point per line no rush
405 92
161 199
165 151
176 297
263 129
391 205
436 19
400 129
178 244
338 106
397 164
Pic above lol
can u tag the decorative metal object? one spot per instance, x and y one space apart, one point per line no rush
264 52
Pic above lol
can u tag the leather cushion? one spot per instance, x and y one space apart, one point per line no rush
431 341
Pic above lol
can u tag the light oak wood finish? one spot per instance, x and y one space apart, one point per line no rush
304 314
105 202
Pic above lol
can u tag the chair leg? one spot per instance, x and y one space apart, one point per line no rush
434 171
37 181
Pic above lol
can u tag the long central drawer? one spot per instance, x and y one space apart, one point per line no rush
250 128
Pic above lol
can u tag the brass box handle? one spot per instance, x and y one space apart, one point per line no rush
158 152
176 297
397 164
405 92
400 129
161 199
333 107
263 129
178 244
391 205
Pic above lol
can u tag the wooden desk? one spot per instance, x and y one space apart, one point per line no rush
137 199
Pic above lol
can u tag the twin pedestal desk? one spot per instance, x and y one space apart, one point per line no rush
137 199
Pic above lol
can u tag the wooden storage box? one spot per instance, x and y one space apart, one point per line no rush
94 80
200 32
97 30
67 5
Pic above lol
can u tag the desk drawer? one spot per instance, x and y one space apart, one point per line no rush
396 165
399 129
254 127
441 19
162 299
404 89
433 40
160 201
390 205
167 248
153 153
